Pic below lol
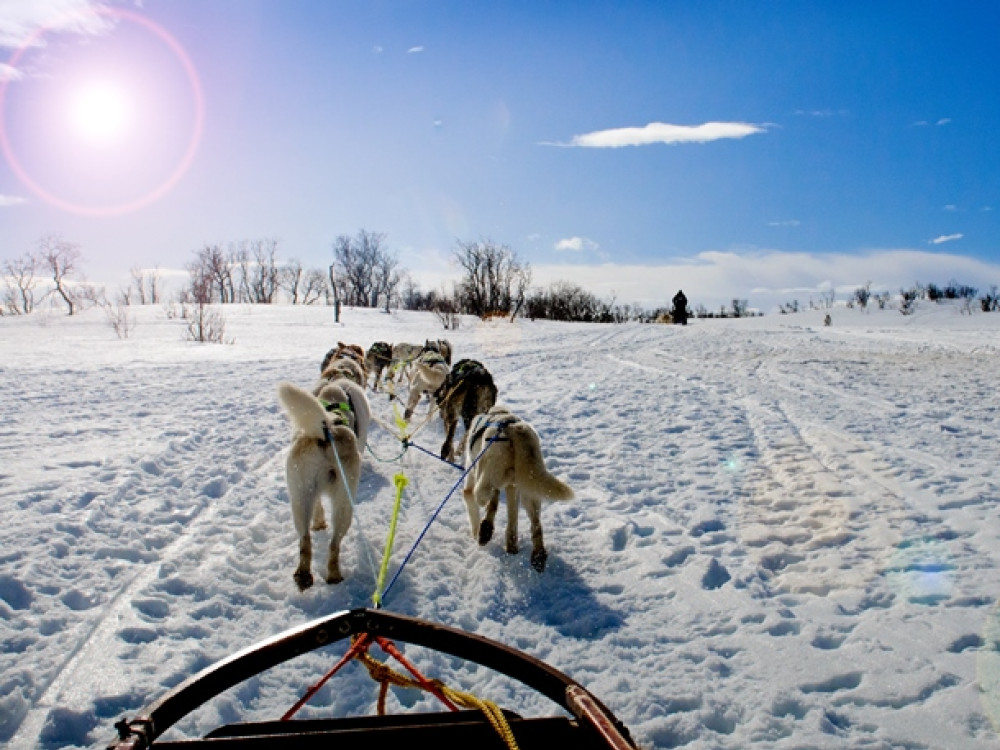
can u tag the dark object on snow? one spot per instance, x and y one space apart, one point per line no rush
591 727
680 311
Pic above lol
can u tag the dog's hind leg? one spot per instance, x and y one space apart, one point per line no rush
488 524
512 508
450 423
341 523
303 494
533 507
303 574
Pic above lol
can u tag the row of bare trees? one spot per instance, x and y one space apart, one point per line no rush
363 273
54 260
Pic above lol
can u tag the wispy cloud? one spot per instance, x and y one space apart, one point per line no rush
11 200
20 20
947 238
821 112
661 132
415 50
944 121
575 244
785 223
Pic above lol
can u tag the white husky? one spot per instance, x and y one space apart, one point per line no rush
323 460
512 461
429 372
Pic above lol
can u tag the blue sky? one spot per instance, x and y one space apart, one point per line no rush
764 151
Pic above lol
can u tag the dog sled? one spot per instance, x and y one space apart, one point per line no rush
589 725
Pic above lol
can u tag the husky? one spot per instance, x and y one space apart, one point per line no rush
512 461
429 372
345 360
349 399
323 460
377 359
441 346
402 356
467 391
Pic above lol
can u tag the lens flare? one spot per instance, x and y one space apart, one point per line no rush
104 135
100 113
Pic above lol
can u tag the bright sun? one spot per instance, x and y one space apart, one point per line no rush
100 112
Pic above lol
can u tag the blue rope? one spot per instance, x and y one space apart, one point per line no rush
385 593
407 443
343 477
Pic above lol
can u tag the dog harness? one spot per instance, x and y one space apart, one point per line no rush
381 351
500 424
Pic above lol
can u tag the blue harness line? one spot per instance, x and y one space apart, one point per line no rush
385 593
343 478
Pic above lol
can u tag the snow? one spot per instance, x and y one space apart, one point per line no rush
784 534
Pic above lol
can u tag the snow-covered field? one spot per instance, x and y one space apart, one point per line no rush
785 535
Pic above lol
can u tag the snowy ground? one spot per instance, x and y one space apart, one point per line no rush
785 535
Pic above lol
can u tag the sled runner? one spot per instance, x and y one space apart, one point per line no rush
590 726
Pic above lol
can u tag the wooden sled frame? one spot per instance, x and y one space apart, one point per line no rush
593 727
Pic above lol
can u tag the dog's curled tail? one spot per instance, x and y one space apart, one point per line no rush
304 409
530 473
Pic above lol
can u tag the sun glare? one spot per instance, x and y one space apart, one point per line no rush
100 112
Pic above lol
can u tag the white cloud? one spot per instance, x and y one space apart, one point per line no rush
661 132
767 279
947 238
19 19
414 50
575 244
378 49
944 121
9 73
785 223
951 207
11 200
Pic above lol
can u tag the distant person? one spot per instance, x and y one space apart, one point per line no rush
680 311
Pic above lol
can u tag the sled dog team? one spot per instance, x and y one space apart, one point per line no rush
330 431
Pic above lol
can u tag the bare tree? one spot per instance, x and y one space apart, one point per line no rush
387 277
62 260
20 281
264 277
138 285
362 268
212 272
291 278
494 280
314 287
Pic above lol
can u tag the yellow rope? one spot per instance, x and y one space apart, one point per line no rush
386 675
401 482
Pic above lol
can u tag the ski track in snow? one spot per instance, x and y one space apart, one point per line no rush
703 460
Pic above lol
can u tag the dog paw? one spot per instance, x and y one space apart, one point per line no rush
303 579
334 578
538 558
318 525
485 532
